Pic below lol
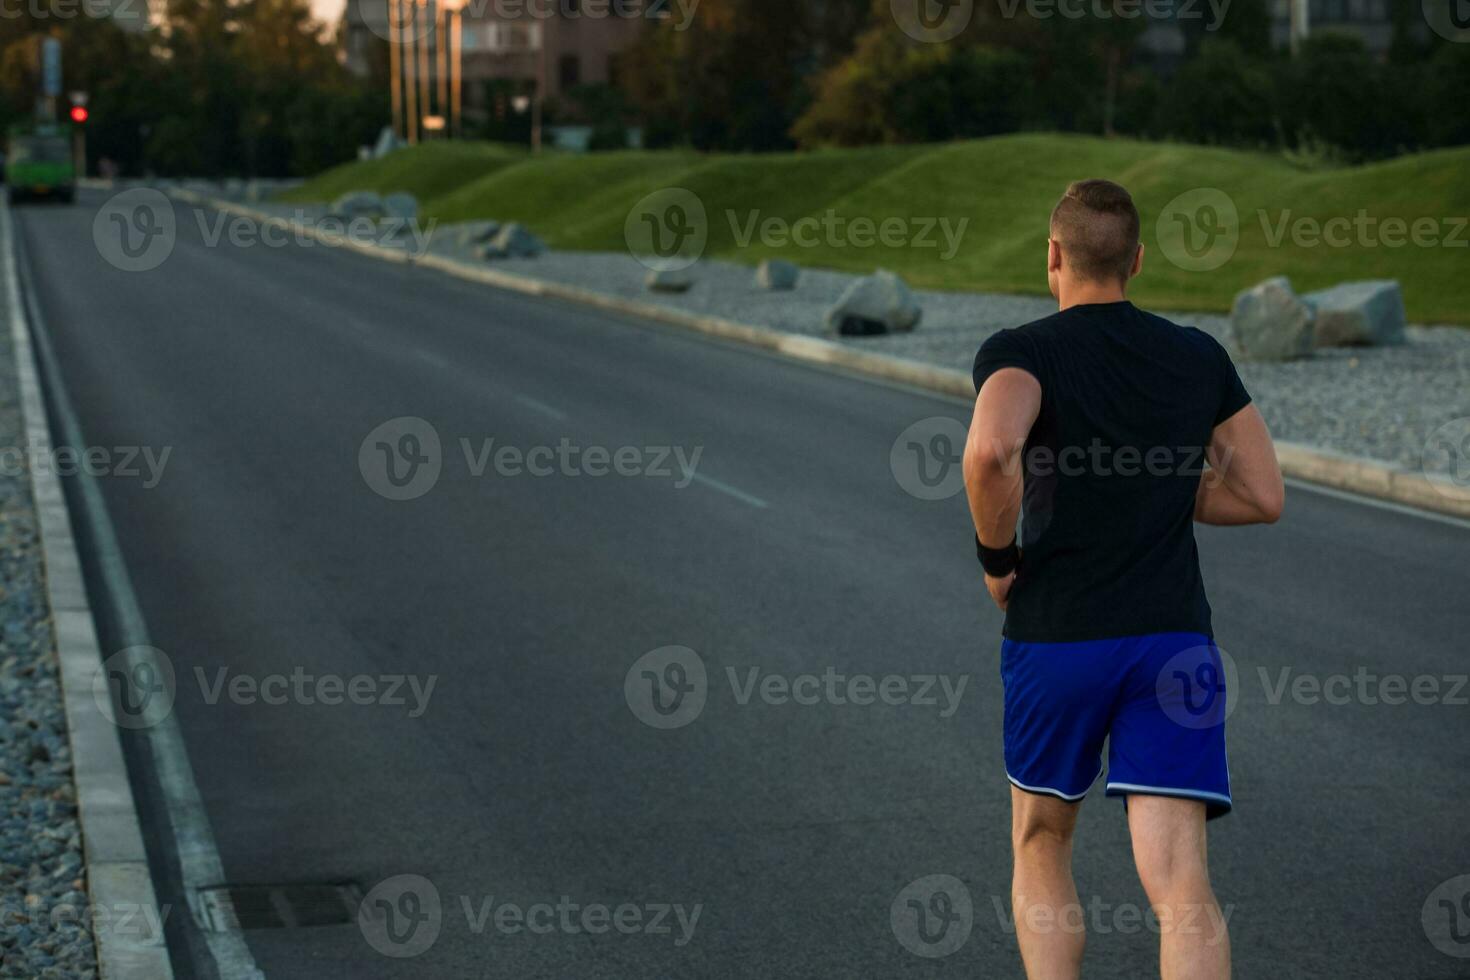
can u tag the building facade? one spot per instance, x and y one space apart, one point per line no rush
566 42
1369 20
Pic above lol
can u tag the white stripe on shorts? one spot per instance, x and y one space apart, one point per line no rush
1193 794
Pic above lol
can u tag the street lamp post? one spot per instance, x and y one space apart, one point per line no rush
423 29
442 17
395 68
540 96
407 9
456 56
425 54
1301 23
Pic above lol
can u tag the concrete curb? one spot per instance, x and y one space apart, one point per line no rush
1355 474
1372 478
118 879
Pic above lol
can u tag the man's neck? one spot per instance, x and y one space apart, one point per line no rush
1086 293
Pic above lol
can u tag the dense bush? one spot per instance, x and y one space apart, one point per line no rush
1332 92
1220 96
1442 97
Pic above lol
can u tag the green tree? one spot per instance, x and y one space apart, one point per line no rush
895 91
1443 96
1333 92
1245 22
735 77
1221 96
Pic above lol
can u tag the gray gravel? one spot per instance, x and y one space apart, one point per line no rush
1381 403
44 918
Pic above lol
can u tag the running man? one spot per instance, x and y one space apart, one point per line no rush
1094 423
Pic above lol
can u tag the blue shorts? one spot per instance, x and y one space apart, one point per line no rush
1158 700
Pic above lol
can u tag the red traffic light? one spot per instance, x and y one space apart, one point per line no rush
78 113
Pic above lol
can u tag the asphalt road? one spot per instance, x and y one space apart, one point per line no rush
264 550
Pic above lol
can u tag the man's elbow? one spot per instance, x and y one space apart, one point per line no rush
1271 502
984 464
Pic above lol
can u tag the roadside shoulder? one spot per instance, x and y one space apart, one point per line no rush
125 915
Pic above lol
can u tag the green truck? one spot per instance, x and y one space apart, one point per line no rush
38 163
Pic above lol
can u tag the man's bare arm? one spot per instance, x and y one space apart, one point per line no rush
1005 410
1243 485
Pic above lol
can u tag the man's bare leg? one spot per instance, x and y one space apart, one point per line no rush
1169 849
1043 896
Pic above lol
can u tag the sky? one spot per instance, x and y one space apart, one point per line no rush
327 11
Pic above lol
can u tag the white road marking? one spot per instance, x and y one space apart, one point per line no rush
1397 508
541 407
725 488
431 358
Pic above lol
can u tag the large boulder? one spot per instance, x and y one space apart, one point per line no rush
668 280
401 206
1272 323
1359 313
876 304
357 204
513 241
777 274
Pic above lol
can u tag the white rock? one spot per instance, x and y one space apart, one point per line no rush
513 241
668 280
1272 323
473 233
1359 313
777 274
387 142
402 206
357 204
880 303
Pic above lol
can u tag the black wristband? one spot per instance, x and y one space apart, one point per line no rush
998 562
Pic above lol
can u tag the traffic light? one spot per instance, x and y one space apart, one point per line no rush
79 114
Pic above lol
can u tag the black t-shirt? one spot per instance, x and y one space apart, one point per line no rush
1128 404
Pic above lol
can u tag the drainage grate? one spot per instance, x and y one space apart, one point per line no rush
230 908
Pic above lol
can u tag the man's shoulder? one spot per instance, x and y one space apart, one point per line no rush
1027 336
1044 327
1021 347
1064 325
1194 336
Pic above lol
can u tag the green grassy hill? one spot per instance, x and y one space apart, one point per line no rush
1005 187
427 171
